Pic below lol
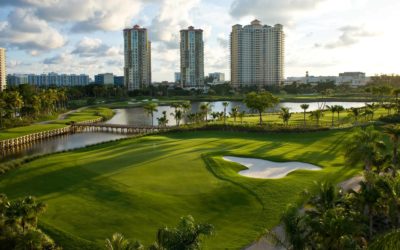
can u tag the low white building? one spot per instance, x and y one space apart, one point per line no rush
354 79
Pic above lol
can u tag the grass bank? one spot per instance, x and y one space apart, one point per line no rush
137 185
80 116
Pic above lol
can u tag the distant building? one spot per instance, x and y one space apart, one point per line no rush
257 54
217 77
53 79
106 78
119 81
354 79
3 73
177 77
17 79
137 53
192 57
313 80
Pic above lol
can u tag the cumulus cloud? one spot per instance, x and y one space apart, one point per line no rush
273 11
62 58
85 16
88 47
24 30
349 35
173 16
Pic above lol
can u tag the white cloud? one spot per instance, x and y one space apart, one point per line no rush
273 11
95 47
350 35
24 30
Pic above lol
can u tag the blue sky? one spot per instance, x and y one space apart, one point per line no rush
324 37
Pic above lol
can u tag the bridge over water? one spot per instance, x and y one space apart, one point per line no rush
118 128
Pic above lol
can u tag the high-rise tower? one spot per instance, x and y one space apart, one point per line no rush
3 74
192 57
137 53
257 54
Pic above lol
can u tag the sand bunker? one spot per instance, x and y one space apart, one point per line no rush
264 169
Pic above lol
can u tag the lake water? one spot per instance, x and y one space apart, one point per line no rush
138 116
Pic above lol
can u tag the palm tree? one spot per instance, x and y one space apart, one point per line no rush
316 115
333 109
178 115
118 242
235 113
339 108
225 104
163 121
205 108
14 100
3 106
150 108
241 115
387 241
372 107
304 107
285 115
355 112
185 236
364 146
393 131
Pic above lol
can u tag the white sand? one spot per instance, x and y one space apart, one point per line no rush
264 169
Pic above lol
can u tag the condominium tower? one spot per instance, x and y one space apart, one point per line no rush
257 54
192 57
137 51
3 79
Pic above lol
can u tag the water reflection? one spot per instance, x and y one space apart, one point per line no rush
139 117
59 143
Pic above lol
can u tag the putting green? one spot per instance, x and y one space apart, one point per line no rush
136 186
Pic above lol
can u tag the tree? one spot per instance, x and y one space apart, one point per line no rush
187 235
241 115
163 121
372 107
3 106
333 109
18 224
150 108
118 242
393 131
205 108
225 105
316 115
260 102
355 112
304 107
364 145
339 108
285 115
234 113
15 102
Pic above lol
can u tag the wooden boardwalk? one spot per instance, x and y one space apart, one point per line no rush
118 128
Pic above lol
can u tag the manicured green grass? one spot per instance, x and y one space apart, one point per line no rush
21 131
136 186
84 115
298 118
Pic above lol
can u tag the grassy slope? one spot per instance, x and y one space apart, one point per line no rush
84 115
138 185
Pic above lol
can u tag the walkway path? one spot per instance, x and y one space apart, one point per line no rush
63 116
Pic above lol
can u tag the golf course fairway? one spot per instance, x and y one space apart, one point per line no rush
136 186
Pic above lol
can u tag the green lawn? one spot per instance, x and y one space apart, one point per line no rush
136 186
298 118
84 115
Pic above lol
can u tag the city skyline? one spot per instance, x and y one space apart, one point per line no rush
71 38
